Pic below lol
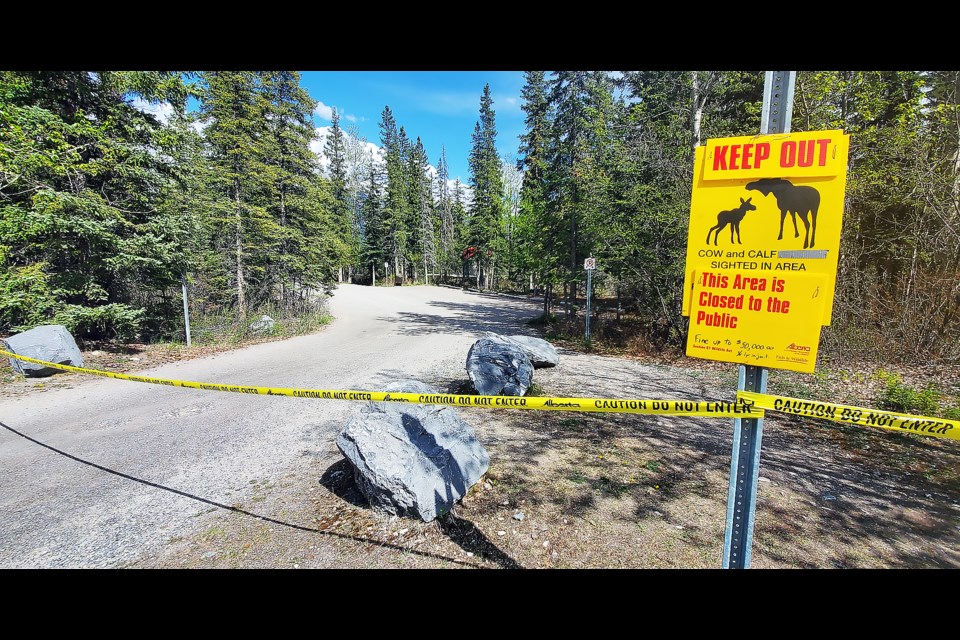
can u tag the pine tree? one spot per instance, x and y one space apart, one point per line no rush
336 152
373 251
296 221
487 182
422 208
540 228
85 179
394 206
448 258
235 132
569 91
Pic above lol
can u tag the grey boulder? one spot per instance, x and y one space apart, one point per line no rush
541 353
49 342
411 459
264 325
499 366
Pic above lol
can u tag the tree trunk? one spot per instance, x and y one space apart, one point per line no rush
573 251
696 112
241 298
283 223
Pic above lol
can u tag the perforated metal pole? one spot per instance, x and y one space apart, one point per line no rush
186 307
748 433
744 474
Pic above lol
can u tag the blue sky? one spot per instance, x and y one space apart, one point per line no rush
441 107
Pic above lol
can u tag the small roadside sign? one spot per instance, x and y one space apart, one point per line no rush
590 264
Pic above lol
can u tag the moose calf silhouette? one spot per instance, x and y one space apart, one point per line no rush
732 218
792 199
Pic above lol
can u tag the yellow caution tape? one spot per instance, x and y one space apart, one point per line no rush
710 409
921 425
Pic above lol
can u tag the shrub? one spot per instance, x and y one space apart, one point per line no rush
897 396
26 298
107 322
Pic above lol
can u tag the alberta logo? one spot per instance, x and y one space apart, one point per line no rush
551 403
796 348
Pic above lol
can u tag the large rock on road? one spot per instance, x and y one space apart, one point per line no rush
499 366
412 460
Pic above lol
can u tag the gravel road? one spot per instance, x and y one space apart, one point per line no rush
97 474
110 473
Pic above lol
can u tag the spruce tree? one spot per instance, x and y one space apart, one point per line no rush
487 182
295 215
85 179
236 130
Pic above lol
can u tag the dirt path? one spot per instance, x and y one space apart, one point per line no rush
257 482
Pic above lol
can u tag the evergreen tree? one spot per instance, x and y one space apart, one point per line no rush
373 251
236 130
394 206
449 260
84 180
297 219
336 152
540 229
487 182
422 208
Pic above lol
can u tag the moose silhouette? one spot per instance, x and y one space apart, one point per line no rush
732 218
792 199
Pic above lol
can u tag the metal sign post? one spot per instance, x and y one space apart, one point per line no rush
747 433
186 307
589 264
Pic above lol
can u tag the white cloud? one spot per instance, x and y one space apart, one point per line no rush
161 110
369 149
324 111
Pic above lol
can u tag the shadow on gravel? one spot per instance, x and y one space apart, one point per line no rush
338 479
233 509
468 537
829 496
508 318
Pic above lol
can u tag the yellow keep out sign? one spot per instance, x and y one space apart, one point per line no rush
762 249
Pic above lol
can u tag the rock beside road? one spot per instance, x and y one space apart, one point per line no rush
499 366
263 325
50 342
412 460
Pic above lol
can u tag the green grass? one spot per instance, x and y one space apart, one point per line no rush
216 329
931 400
